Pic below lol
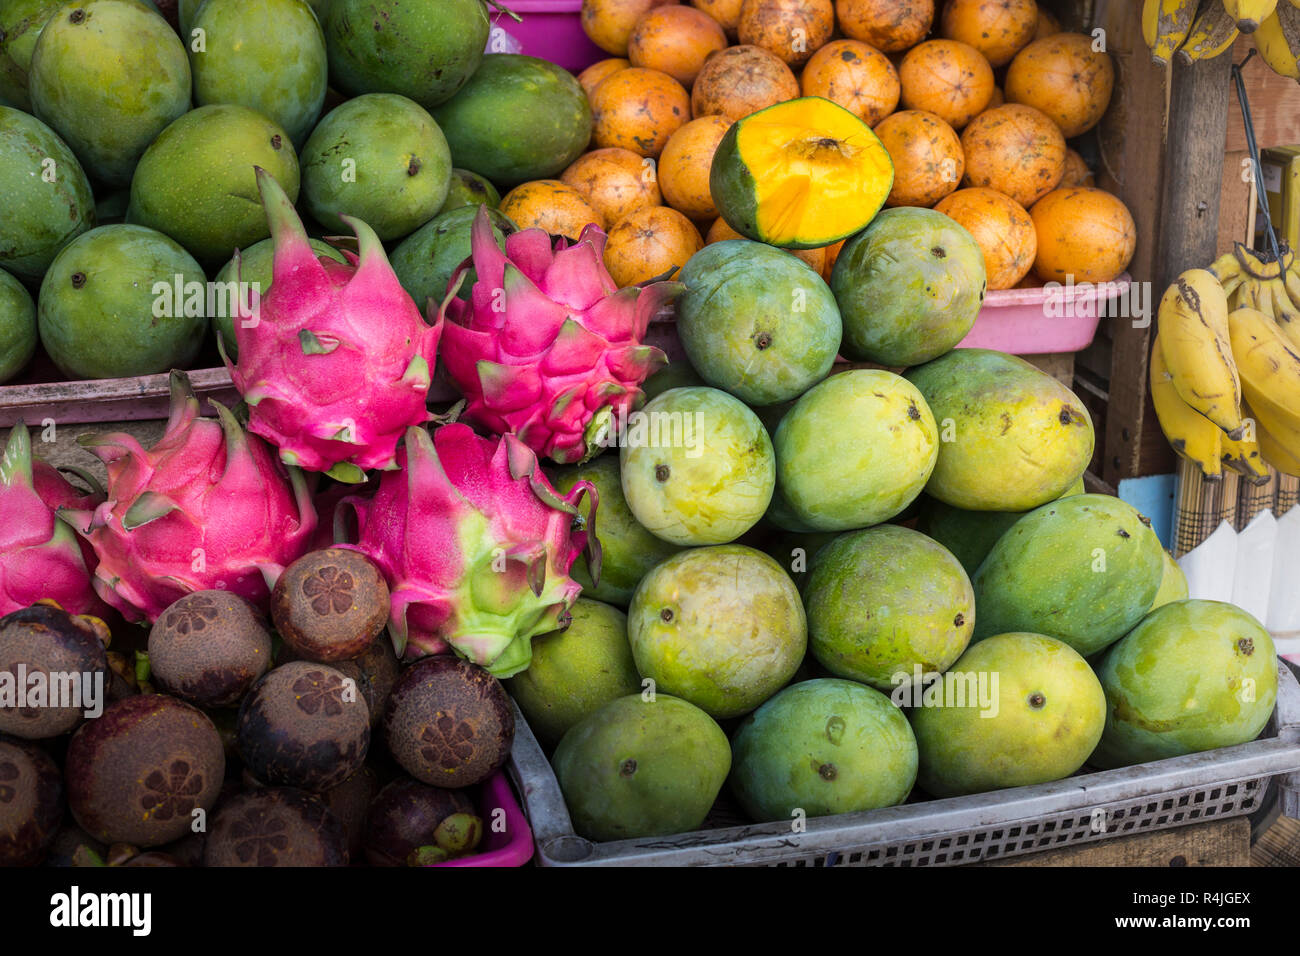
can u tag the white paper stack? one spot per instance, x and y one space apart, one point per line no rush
1283 616
1210 567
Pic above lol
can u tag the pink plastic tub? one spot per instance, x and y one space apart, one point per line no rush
1049 319
551 30
513 846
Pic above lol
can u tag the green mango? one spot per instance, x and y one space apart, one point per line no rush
641 768
108 307
1011 436
470 189
1192 676
17 327
109 76
576 671
884 602
44 195
909 287
268 56
380 158
1015 710
517 119
969 535
854 451
1173 583
628 551
1084 570
426 51
822 747
196 182
21 22
756 321
426 259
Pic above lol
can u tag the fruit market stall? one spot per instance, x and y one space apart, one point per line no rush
631 432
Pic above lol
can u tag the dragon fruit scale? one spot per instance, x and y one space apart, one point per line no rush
476 545
548 348
208 507
40 557
335 361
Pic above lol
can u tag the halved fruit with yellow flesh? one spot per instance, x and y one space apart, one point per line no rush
800 174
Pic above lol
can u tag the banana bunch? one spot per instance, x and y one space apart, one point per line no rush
1225 369
1203 29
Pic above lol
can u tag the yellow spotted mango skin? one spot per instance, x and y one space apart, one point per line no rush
1010 436
1193 676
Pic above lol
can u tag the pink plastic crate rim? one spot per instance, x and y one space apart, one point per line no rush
513 846
1017 320
552 30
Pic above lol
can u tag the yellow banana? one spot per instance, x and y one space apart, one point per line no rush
1165 25
1193 332
1255 265
1213 33
1292 280
1249 13
1225 268
1243 457
1273 451
1278 41
1269 367
1256 294
1190 433
1278 441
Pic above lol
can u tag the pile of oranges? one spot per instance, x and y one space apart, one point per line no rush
974 101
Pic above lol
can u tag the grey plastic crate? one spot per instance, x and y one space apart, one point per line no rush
1084 808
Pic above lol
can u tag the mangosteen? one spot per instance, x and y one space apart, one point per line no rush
411 824
137 774
375 672
448 722
275 826
330 605
209 647
49 656
121 676
304 725
349 802
31 802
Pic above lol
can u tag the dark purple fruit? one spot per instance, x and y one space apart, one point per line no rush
71 841
137 774
35 643
349 802
31 802
375 671
304 725
209 647
411 823
277 826
330 605
448 722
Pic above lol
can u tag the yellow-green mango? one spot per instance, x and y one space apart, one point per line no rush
1193 676
855 450
1036 713
1084 570
1173 583
1011 436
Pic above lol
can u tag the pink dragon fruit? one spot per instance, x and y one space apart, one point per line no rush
207 507
476 546
548 348
39 555
335 362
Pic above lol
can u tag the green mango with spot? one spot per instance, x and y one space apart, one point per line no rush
756 321
1192 676
109 76
1011 436
1084 570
